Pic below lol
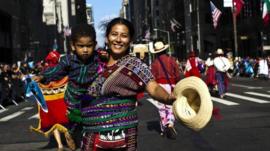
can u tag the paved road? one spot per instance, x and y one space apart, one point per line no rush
242 125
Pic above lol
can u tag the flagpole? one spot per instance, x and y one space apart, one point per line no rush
235 30
198 28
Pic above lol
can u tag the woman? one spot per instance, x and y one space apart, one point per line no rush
192 65
109 114
55 120
167 74
210 80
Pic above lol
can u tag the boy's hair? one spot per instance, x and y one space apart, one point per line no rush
82 30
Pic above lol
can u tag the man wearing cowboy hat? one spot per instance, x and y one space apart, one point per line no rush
222 65
167 74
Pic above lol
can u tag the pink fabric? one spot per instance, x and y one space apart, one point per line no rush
165 111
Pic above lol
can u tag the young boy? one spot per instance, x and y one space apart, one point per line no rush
81 67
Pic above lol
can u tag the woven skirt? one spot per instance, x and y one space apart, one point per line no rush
120 140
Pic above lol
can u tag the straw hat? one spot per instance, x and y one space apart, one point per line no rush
193 106
159 46
220 51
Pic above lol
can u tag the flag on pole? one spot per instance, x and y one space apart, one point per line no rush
174 24
237 4
216 13
266 12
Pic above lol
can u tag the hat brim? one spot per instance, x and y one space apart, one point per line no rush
160 50
193 106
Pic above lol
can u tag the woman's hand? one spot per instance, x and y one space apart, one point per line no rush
159 93
171 97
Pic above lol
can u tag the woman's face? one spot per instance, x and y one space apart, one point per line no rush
118 40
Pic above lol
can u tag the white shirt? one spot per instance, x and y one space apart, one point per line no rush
222 64
263 67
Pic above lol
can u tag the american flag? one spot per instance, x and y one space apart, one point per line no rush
215 14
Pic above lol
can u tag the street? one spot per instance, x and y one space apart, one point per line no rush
242 123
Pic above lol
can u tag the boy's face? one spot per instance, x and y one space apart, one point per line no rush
84 47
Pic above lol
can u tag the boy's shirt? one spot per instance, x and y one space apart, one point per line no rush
80 76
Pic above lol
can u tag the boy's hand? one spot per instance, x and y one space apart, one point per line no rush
37 78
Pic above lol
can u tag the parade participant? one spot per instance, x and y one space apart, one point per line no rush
81 67
109 112
52 58
222 65
192 68
167 74
263 69
210 80
55 120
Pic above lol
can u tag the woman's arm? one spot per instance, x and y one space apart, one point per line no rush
158 93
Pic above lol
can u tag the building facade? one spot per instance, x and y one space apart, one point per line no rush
187 25
159 20
30 29
20 29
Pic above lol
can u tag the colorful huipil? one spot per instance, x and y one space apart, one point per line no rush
56 117
80 75
109 114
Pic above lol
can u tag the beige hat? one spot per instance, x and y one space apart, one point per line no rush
220 51
159 46
193 106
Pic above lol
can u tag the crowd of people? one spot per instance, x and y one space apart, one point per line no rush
219 67
11 84
101 87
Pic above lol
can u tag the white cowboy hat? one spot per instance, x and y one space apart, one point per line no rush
193 106
159 47
220 51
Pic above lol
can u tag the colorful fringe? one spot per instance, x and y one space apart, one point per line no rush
56 118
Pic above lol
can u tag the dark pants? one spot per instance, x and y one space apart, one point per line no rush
220 76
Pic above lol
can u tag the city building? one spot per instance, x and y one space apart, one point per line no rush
89 14
30 29
188 26
20 29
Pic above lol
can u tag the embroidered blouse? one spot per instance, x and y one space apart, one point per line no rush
115 90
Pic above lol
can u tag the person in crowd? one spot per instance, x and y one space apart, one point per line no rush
192 63
6 82
52 58
25 69
166 72
263 69
82 68
17 92
247 67
109 111
210 80
222 65
55 120
229 56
